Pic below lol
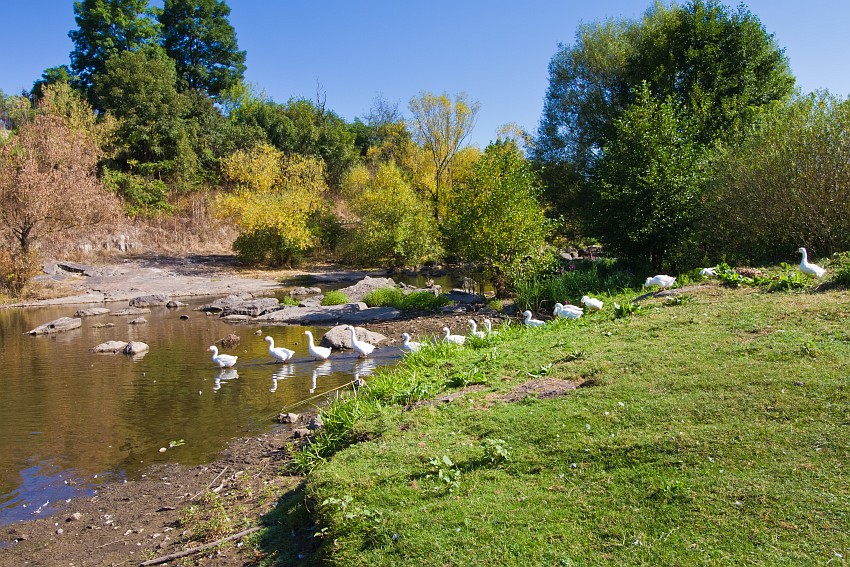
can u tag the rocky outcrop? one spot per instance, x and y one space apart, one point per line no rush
340 337
92 312
149 300
253 307
368 284
222 304
350 313
57 326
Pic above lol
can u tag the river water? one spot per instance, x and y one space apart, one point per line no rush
70 419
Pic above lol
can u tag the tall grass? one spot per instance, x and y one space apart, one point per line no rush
395 297
540 293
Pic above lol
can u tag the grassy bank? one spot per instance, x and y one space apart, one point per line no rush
712 431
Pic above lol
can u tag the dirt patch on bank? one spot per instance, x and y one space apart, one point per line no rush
541 388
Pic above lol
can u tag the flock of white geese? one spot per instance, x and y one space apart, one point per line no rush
364 349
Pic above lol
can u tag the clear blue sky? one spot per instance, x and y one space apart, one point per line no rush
495 50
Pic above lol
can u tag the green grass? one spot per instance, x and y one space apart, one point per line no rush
395 297
334 298
712 432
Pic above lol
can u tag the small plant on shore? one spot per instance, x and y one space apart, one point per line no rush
467 378
394 297
290 301
495 451
445 472
334 298
626 309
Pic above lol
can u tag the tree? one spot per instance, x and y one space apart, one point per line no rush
275 200
717 66
441 126
106 28
645 196
51 76
495 218
48 182
395 225
200 39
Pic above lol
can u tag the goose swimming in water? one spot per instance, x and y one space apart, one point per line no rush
363 348
223 360
808 268
280 354
317 352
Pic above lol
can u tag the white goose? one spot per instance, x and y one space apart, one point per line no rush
708 272
223 360
363 348
456 339
808 268
475 332
529 322
660 281
489 326
567 311
408 345
280 354
317 352
591 303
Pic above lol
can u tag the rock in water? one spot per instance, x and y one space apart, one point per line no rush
135 347
57 326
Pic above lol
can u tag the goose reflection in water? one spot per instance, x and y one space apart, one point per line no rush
282 373
324 369
225 374
364 366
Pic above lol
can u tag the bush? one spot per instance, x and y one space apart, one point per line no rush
334 298
394 297
16 270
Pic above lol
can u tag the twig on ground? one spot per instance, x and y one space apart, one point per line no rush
200 548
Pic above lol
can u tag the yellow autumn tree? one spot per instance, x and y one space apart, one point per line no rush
275 198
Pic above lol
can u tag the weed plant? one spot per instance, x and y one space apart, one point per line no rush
395 297
334 297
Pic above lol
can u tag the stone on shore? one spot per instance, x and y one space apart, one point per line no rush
349 313
365 286
57 326
298 291
340 337
91 312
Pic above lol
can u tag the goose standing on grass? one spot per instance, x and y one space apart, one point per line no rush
708 272
456 339
280 354
475 332
408 345
489 326
591 303
223 360
529 322
567 311
363 348
660 281
808 268
317 352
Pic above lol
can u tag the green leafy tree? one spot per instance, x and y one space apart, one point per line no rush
495 218
441 126
51 76
395 225
106 28
202 42
645 197
718 66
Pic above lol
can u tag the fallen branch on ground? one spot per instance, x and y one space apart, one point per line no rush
200 548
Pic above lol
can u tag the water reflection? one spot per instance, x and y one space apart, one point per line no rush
323 369
282 373
223 376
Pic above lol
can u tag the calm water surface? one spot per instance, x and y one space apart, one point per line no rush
70 418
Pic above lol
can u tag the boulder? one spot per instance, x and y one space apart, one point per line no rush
464 297
298 291
368 284
221 304
135 347
253 307
139 321
132 311
340 337
229 341
288 418
172 304
149 300
109 346
57 326
92 312
312 302
350 313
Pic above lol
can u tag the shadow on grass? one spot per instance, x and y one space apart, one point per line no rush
287 538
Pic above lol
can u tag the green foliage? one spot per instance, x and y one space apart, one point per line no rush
839 267
494 218
445 473
106 28
17 268
648 182
200 39
395 297
786 185
495 451
788 279
51 76
334 298
395 226
627 309
142 196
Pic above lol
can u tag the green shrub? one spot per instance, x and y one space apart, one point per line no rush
267 246
334 298
142 196
16 270
394 297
